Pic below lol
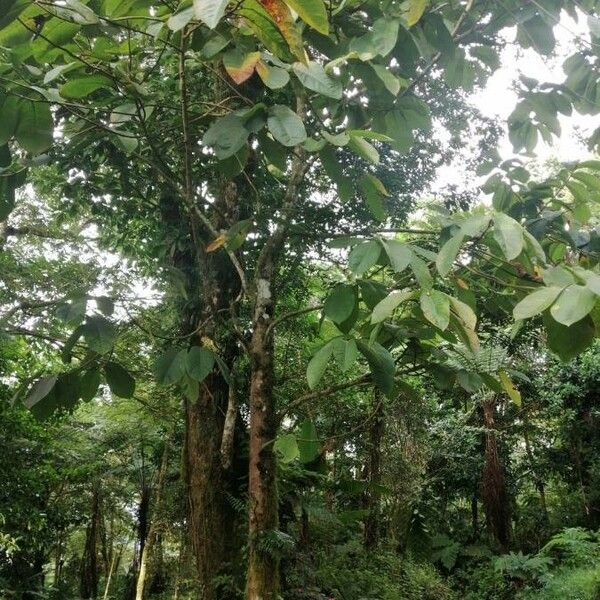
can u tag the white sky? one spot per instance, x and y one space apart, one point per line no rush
498 98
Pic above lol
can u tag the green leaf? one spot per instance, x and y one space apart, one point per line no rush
364 149
199 362
381 364
210 11
345 352
120 382
312 12
509 388
509 235
573 304
364 256
340 303
286 447
35 127
39 390
436 308
89 384
179 20
170 366
373 192
99 333
226 135
388 305
536 303
9 110
308 442
273 77
105 305
568 342
72 312
314 77
421 271
448 253
318 364
286 126
399 254
81 87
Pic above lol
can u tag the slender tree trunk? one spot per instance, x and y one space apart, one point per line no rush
262 579
373 504
89 562
148 547
538 481
114 563
263 567
495 497
474 516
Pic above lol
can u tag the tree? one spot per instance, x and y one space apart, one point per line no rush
263 100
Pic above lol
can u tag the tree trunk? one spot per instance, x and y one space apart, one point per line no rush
148 546
373 499
263 567
537 479
89 562
494 494
211 517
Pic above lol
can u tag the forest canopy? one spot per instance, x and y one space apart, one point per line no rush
254 345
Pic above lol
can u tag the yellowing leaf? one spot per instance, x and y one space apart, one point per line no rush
240 66
509 388
282 16
216 243
414 11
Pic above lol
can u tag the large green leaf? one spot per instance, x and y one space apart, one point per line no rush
536 303
199 362
568 342
573 304
35 126
80 87
90 382
314 77
226 135
436 308
399 254
39 390
170 366
120 382
388 305
318 364
509 235
345 352
340 303
312 12
448 253
210 11
364 256
381 364
99 333
308 441
286 447
286 126
9 118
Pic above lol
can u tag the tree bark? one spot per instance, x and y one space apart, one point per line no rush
89 561
149 545
262 579
373 499
494 494
263 567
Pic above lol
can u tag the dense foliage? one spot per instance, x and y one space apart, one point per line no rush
247 351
